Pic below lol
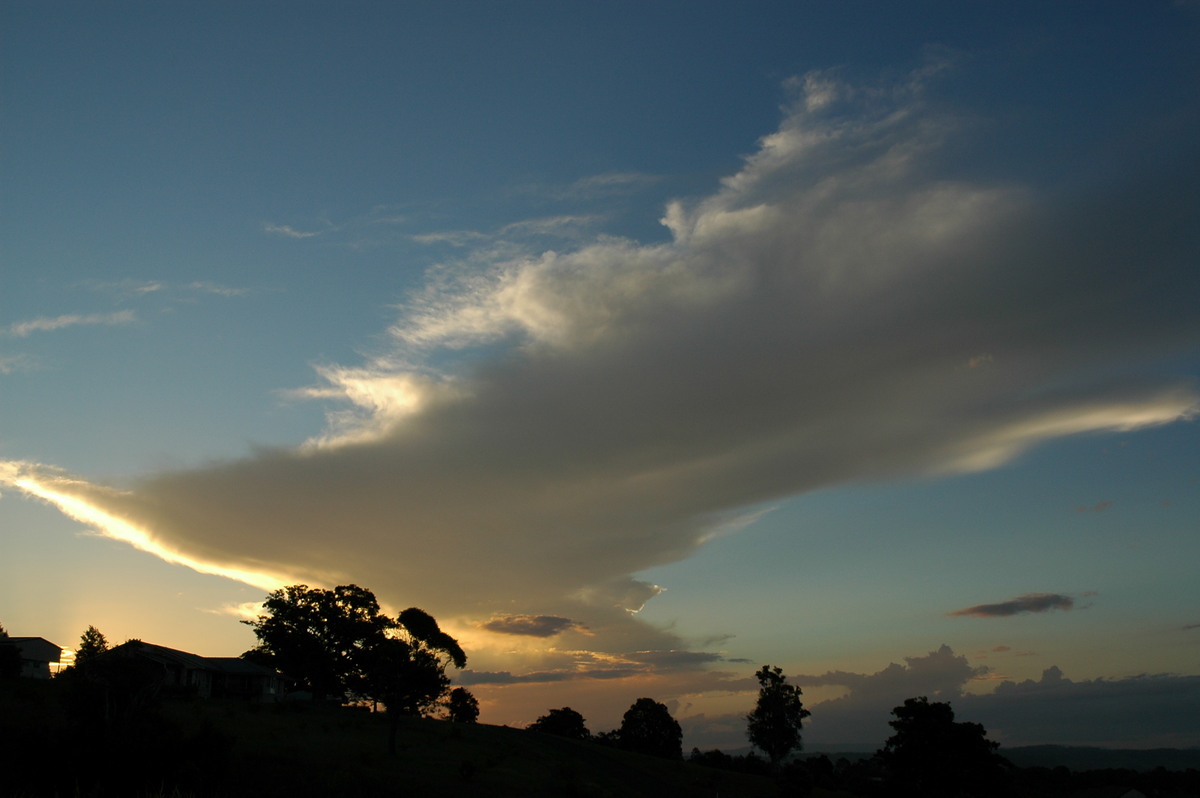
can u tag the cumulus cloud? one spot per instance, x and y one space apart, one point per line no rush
862 713
1154 710
1144 711
549 424
23 329
1029 602
529 625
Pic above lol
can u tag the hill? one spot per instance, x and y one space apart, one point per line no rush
1089 758
198 748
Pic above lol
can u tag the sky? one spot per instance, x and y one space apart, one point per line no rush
642 344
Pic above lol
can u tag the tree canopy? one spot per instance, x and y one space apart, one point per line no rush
933 755
338 642
774 725
461 706
564 722
91 643
647 727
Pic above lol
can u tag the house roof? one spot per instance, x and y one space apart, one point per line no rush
169 656
237 665
35 648
230 665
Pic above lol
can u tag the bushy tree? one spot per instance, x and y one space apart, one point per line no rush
321 638
10 660
338 642
91 644
564 722
933 755
774 725
461 706
647 727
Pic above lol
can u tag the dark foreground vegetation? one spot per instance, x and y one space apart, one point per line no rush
183 746
126 722
191 747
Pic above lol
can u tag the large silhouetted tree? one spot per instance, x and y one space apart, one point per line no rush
338 642
933 755
774 725
320 637
647 727
564 722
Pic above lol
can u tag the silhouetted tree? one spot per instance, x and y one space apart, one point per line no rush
774 725
91 643
10 659
320 637
564 722
647 727
932 755
461 706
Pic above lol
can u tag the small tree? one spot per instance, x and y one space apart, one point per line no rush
647 727
10 657
774 725
564 722
461 706
91 644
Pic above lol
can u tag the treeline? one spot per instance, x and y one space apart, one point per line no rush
103 715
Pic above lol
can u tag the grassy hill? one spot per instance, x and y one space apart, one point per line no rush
205 748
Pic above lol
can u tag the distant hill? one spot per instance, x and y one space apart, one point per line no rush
1085 758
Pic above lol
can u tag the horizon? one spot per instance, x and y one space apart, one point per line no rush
640 344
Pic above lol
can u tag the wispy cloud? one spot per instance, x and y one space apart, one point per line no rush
1098 507
11 364
457 238
608 184
1029 602
288 231
201 287
559 226
23 329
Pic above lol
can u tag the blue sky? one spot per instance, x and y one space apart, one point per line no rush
640 343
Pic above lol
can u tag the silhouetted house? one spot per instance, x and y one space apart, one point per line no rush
234 677
205 677
36 655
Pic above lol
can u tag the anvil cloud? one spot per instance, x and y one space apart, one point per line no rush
843 308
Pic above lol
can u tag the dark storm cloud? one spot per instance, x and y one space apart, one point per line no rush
470 677
1030 602
530 625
